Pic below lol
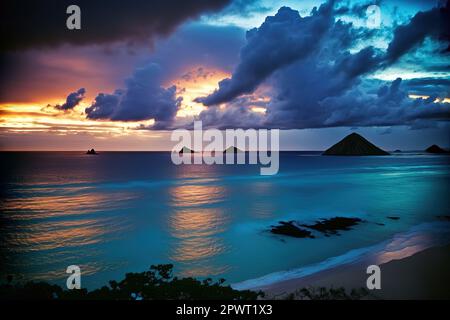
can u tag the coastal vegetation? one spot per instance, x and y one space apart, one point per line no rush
158 283
322 293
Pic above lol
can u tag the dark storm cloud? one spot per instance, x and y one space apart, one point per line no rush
429 86
433 23
322 84
237 114
30 75
389 106
245 8
104 106
43 23
286 38
357 9
72 100
316 66
279 41
143 98
197 44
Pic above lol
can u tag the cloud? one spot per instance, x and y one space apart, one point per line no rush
279 41
433 23
245 8
197 44
43 23
36 75
143 98
104 106
356 9
429 86
237 114
72 100
318 76
389 106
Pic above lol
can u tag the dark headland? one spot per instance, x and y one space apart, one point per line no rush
92 151
354 145
435 149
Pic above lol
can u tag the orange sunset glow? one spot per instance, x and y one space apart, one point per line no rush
43 117
196 83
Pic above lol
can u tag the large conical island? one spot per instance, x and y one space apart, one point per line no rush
435 149
354 145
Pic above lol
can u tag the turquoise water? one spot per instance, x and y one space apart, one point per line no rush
120 212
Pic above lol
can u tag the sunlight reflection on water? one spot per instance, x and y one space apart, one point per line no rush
195 223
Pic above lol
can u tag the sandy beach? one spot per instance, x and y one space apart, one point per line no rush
423 275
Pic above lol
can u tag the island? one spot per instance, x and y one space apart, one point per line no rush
354 145
186 150
92 151
435 149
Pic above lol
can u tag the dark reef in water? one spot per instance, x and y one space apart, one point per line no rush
393 217
325 226
354 145
291 229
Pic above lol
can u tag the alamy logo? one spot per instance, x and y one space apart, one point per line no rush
73 21
74 280
222 147
374 280
373 14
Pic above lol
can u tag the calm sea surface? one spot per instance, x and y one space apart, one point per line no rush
119 212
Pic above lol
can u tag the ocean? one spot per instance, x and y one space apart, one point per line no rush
119 212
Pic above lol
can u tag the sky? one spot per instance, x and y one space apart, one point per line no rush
316 69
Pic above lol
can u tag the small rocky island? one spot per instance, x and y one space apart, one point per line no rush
232 149
435 149
354 145
186 150
92 151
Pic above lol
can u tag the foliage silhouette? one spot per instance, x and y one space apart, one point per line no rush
323 293
155 284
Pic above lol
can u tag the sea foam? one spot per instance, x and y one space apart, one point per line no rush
401 245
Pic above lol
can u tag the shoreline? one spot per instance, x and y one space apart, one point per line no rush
423 275
413 265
